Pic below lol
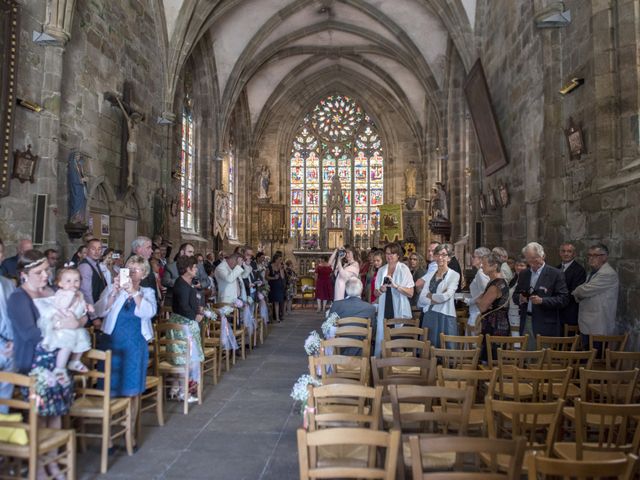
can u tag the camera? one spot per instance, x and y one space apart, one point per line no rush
115 256
527 293
341 252
386 281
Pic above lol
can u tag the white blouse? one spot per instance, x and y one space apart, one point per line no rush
443 301
146 310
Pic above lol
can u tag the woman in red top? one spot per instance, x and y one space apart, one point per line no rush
324 285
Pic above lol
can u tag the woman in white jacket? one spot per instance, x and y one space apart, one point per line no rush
436 298
394 287
477 286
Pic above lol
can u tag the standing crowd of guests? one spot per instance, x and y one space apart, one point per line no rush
507 296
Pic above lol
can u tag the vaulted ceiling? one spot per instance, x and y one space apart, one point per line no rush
264 48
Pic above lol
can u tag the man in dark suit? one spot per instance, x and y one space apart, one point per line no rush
574 275
541 293
354 306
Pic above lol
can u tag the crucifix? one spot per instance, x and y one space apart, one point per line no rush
129 144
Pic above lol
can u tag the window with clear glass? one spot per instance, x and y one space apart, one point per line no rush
187 172
336 138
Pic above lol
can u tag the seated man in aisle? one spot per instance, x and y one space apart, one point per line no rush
354 306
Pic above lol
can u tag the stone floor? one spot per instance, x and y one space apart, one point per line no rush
245 428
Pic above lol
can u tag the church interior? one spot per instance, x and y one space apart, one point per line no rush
301 126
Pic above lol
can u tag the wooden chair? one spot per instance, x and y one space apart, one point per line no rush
42 443
260 332
461 342
173 362
541 467
406 322
363 333
307 292
211 353
603 432
503 343
94 405
536 422
339 369
542 385
557 343
344 405
482 381
347 467
463 447
449 358
353 322
606 342
413 412
239 330
571 330
622 360
151 399
413 333
508 361
405 347
337 346
555 359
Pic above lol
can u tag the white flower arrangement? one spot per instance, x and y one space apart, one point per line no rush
299 392
329 323
312 343
209 314
226 310
249 301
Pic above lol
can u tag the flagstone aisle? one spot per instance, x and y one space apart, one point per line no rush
245 428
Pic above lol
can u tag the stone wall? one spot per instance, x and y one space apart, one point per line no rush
554 198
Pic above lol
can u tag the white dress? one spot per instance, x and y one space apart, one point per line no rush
77 340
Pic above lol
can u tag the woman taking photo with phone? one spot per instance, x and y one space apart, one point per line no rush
343 271
394 287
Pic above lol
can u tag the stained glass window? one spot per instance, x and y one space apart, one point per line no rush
187 171
336 138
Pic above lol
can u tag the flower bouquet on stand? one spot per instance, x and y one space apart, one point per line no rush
300 393
329 325
263 295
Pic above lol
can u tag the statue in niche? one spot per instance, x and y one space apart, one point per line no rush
77 185
263 182
439 201
133 121
159 211
410 179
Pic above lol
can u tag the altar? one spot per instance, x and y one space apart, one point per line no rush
308 259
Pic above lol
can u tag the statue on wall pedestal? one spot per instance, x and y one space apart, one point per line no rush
132 138
77 186
410 183
439 201
263 182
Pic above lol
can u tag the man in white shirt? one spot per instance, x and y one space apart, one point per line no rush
229 278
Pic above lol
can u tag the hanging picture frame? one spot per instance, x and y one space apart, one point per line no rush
483 204
575 140
24 165
503 194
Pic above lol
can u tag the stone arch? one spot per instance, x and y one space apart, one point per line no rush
102 187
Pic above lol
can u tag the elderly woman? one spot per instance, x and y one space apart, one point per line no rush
436 298
127 309
477 286
29 355
394 288
343 271
187 311
494 302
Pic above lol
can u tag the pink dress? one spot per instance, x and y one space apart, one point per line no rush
345 274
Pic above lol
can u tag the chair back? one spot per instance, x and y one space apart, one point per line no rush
540 386
503 343
406 322
557 343
461 342
450 358
344 405
375 441
415 333
172 345
307 287
536 422
611 342
95 359
405 347
353 321
27 408
622 360
482 381
453 414
337 345
541 467
339 369
571 330
509 359
403 371
603 386
363 333
463 447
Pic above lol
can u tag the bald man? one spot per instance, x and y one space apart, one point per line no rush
9 267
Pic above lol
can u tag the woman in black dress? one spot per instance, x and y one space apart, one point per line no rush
276 277
494 302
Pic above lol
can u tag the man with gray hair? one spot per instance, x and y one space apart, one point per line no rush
143 247
353 306
598 296
541 293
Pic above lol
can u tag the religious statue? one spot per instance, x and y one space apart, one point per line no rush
410 179
132 146
439 201
159 211
77 185
263 182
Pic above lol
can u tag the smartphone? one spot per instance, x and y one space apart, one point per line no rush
124 277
